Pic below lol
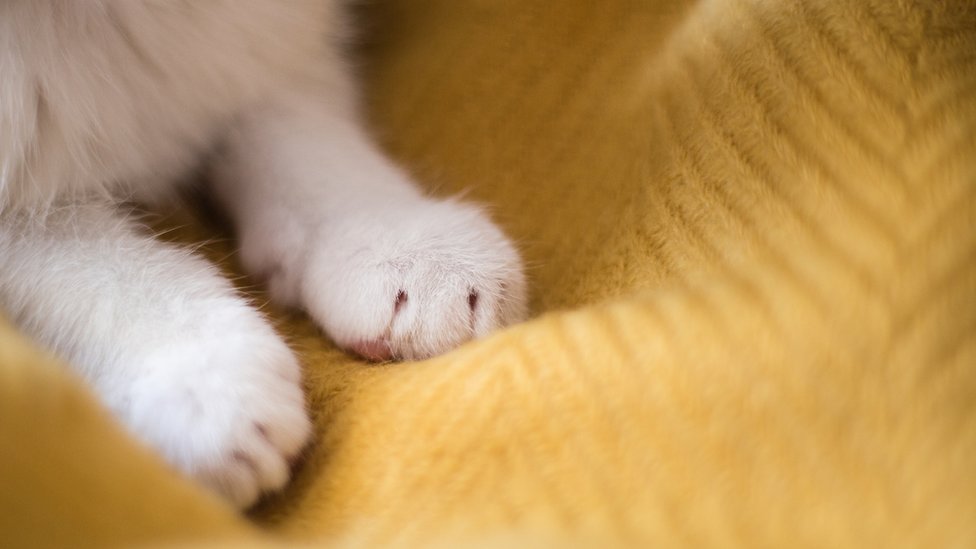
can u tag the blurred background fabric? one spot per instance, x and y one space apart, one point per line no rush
751 232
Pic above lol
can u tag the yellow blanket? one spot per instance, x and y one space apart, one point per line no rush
751 226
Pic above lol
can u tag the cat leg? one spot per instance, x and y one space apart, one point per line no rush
337 229
183 361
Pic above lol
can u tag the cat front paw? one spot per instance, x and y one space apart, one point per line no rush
415 283
224 405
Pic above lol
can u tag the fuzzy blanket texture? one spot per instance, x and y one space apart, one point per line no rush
751 230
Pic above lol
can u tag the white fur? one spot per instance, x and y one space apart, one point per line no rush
105 100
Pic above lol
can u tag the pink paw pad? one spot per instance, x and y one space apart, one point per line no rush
376 350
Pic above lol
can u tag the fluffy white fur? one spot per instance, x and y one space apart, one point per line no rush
105 100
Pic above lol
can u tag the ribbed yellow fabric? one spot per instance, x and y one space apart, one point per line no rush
751 226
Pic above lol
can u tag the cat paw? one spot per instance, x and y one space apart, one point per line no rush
415 283
224 405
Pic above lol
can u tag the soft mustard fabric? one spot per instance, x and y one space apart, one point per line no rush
751 230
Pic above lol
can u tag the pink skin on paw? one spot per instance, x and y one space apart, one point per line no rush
376 350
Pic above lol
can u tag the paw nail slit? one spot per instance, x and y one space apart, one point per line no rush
473 299
401 298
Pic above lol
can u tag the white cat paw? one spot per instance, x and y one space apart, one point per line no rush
415 283
224 405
